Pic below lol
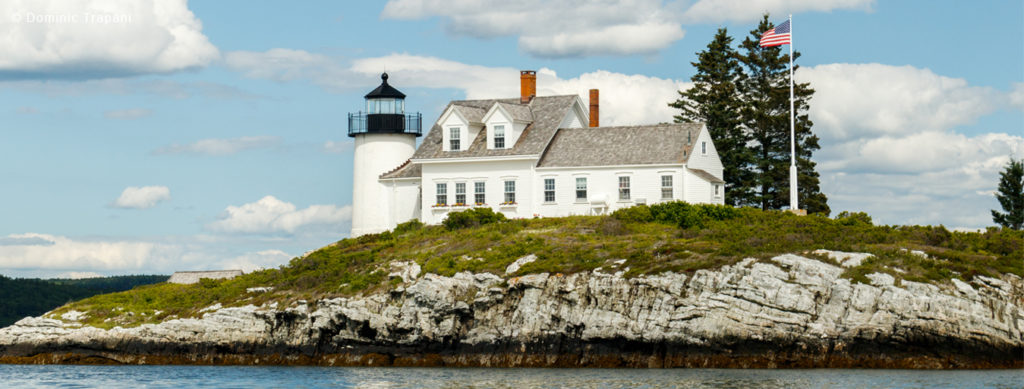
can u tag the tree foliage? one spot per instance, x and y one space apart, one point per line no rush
33 297
743 96
715 100
1011 196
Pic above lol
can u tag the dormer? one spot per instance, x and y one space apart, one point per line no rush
505 123
459 126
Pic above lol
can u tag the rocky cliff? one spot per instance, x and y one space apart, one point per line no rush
790 311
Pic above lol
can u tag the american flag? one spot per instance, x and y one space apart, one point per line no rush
777 36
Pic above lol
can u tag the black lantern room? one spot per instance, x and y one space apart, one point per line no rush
385 114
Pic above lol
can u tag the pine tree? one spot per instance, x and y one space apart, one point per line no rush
715 100
765 114
1011 196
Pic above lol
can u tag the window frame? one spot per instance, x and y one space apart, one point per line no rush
441 194
704 148
460 185
480 192
502 137
549 192
454 138
670 187
578 190
510 192
624 190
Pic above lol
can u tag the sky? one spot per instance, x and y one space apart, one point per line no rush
149 136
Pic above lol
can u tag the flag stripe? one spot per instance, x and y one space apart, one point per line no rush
780 35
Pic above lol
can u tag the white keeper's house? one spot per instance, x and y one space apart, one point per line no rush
524 157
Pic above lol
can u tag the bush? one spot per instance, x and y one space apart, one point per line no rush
853 218
635 214
409 226
687 215
472 218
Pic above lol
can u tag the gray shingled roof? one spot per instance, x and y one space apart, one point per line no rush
631 145
547 113
520 112
707 176
471 114
405 170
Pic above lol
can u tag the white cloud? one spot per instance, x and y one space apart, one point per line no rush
219 147
625 99
127 114
891 146
77 275
142 197
709 11
42 251
556 28
864 100
44 39
257 261
270 215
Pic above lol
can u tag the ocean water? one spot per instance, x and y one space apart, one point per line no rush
180 377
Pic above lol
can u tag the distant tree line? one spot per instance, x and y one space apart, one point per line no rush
23 297
743 98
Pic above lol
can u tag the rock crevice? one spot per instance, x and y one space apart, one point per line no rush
790 311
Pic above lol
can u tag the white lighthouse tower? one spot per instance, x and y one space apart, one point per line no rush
385 137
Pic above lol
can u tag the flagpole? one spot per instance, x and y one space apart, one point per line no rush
793 203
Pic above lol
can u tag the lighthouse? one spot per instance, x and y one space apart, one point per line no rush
385 138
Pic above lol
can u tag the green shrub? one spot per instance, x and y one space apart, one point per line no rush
853 218
409 226
472 218
635 214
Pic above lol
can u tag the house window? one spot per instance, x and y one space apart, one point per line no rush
499 136
704 148
442 194
666 187
581 189
510 192
624 188
479 189
460 193
549 190
453 139
716 190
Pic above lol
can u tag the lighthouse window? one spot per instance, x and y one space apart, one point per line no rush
581 189
442 194
479 189
624 188
499 136
666 187
460 193
510 192
549 190
453 139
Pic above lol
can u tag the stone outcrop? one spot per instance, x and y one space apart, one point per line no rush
789 311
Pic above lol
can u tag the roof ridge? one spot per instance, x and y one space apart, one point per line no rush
404 164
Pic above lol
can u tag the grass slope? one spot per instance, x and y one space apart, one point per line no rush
695 238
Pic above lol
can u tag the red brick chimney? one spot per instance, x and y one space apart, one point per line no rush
527 85
594 120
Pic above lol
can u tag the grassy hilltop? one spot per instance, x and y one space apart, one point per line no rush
675 237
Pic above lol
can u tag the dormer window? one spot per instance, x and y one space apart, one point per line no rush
499 136
454 139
